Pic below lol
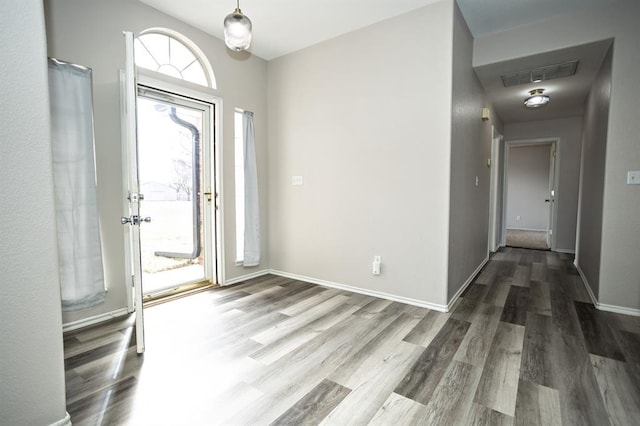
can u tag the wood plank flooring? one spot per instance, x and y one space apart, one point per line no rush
522 346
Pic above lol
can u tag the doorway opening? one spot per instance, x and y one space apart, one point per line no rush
530 194
175 163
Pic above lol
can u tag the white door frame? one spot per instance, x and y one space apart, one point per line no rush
212 242
555 146
496 139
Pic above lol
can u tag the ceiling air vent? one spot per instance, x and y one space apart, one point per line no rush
540 74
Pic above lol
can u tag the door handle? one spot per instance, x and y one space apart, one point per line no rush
547 200
134 220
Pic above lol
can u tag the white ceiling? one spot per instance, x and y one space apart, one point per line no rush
284 26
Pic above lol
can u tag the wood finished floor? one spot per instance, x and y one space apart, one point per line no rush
523 345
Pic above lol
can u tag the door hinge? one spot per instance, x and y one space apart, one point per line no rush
135 197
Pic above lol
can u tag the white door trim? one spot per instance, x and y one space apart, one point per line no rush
157 81
555 145
496 139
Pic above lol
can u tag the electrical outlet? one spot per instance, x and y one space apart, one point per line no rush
297 180
517 217
377 260
633 177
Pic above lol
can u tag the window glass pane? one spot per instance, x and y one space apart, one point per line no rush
239 180
180 56
170 70
170 175
158 45
167 55
143 58
195 74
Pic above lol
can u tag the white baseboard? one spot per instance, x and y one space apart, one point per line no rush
585 282
381 295
603 306
568 251
85 322
526 229
466 283
66 421
618 309
245 277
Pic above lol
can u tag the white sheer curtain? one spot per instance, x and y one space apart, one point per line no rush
80 252
251 209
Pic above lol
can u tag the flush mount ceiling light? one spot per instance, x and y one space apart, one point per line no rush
237 30
537 99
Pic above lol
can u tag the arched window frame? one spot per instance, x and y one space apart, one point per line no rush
189 45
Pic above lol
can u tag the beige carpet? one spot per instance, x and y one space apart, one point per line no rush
527 239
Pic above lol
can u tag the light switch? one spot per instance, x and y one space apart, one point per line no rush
633 177
297 180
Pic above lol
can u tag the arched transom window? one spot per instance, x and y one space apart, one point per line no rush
170 53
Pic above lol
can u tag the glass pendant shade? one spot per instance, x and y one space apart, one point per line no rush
237 31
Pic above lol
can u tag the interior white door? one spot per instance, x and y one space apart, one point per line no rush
132 219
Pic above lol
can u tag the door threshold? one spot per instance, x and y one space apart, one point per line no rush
177 293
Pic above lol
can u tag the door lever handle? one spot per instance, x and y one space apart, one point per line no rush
547 200
134 220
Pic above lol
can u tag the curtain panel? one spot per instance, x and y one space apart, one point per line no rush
79 245
251 208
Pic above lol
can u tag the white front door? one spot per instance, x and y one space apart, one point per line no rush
131 218
169 171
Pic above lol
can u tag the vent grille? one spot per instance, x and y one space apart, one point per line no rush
540 74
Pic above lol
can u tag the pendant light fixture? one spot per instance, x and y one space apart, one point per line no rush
237 30
537 99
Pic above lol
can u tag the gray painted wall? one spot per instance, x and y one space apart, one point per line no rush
470 149
354 116
594 147
620 247
89 32
569 133
528 187
31 361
